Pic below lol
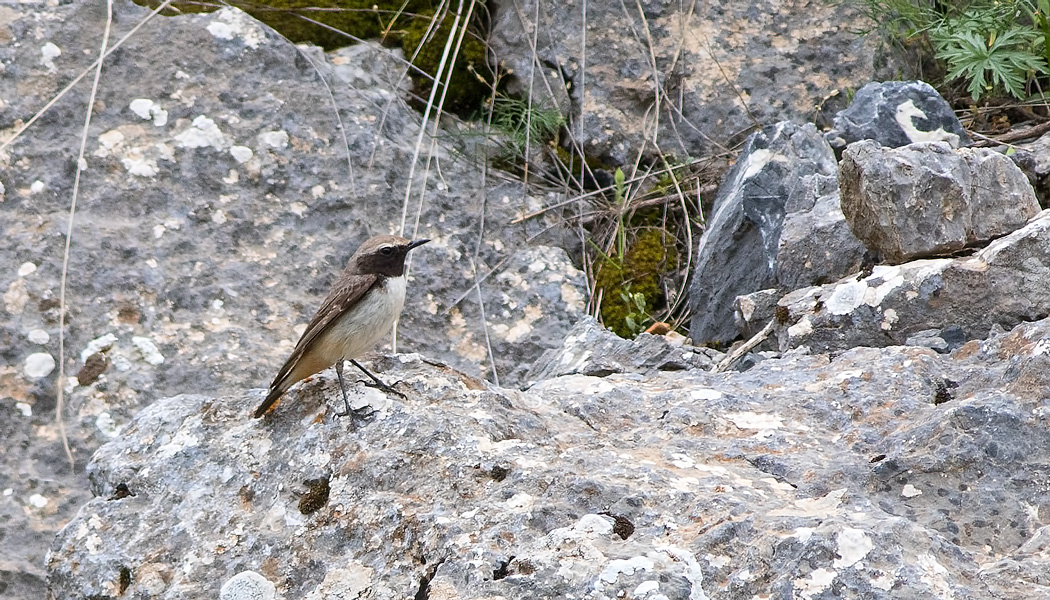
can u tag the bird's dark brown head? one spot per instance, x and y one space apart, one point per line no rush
383 255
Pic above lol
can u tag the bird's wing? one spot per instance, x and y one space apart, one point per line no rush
339 300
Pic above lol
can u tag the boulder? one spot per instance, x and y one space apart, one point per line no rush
693 77
926 199
227 183
883 473
1000 285
897 113
737 253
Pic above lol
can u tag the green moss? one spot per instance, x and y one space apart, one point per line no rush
652 253
470 83
362 19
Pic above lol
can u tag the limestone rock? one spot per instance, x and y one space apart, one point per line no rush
591 349
694 76
897 113
816 244
737 253
1000 285
926 199
883 473
227 183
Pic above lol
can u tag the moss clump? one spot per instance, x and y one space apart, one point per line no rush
637 275
470 83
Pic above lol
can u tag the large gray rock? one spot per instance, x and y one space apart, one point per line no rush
926 199
737 253
218 203
1000 285
897 113
884 473
692 77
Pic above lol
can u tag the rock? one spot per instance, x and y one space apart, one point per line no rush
752 311
1034 159
897 113
220 201
816 245
1001 285
737 253
696 77
925 199
591 349
882 473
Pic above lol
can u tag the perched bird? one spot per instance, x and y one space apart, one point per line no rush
362 307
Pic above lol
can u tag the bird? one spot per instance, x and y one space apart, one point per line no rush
362 306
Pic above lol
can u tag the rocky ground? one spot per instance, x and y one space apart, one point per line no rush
886 438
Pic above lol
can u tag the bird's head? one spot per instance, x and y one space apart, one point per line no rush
384 255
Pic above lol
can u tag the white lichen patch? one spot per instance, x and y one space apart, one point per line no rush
38 365
248 585
231 23
16 297
180 441
763 422
148 350
273 139
106 425
814 584
853 546
520 328
26 269
705 394
139 158
202 133
38 336
241 154
99 344
48 53
821 508
910 491
627 566
149 110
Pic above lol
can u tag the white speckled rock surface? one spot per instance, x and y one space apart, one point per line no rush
885 473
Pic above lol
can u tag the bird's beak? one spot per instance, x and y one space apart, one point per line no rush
415 244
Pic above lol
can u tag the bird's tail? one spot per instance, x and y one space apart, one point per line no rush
271 399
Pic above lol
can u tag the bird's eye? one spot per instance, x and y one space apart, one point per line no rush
386 250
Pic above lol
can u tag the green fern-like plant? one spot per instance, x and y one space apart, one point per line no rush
990 60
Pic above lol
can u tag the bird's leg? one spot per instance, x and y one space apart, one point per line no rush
376 383
359 413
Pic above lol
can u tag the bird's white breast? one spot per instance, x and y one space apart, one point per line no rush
357 331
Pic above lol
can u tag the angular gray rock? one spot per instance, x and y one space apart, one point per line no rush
816 244
1000 285
897 113
884 473
926 199
590 349
694 76
737 253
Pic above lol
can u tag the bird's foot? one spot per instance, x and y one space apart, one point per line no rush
379 385
361 413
